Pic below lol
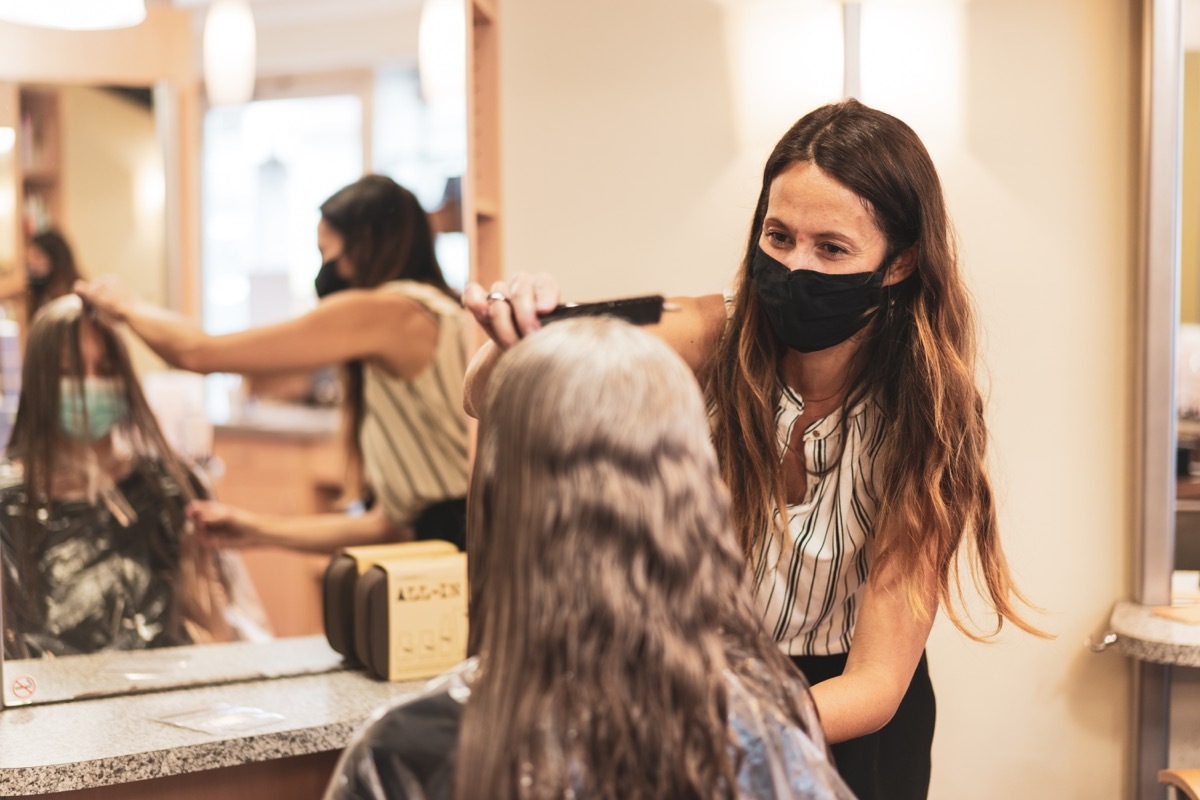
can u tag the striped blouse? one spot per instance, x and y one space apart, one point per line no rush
414 432
807 581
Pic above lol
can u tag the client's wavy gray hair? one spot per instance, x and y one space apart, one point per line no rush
607 583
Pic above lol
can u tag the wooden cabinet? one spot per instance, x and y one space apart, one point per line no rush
30 170
297 778
39 142
279 473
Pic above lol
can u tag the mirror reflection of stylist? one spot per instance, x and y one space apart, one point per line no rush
399 332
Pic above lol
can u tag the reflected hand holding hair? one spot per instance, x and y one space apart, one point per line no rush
106 294
509 312
219 525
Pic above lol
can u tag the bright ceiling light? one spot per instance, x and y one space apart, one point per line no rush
77 15
442 51
229 52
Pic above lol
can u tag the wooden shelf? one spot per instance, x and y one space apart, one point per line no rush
484 11
482 189
41 175
39 141
277 472
486 208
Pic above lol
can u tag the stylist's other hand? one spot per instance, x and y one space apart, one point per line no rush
510 310
219 525
106 294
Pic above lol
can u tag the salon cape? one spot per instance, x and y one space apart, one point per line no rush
407 752
96 584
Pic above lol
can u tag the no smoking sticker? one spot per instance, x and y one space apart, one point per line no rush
23 687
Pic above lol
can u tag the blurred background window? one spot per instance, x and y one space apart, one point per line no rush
268 165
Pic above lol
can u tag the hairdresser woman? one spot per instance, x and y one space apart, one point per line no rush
400 334
840 374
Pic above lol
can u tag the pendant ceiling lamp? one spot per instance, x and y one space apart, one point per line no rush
76 15
442 51
229 52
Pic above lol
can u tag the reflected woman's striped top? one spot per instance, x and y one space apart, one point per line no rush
808 581
414 432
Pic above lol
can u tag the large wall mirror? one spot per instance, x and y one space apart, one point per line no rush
212 211
1182 748
1187 529
92 125
1168 542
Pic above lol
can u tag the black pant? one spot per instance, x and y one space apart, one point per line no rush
445 520
893 763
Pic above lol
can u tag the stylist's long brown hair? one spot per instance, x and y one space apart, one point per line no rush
388 237
607 597
917 363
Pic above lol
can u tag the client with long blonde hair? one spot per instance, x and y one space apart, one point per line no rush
98 553
619 655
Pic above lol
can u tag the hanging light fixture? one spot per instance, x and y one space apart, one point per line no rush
229 52
76 15
442 51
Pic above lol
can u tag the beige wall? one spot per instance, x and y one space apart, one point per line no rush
633 136
157 49
113 194
1043 187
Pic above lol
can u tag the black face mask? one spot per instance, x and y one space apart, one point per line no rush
328 280
810 310
37 281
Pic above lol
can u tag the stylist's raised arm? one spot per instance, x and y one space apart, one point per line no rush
510 311
360 324
399 332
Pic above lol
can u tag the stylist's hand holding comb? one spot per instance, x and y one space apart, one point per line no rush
510 310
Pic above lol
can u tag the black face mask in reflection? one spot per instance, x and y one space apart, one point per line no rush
328 280
810 310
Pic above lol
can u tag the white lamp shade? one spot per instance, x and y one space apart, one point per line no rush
442 51
79 15
229 52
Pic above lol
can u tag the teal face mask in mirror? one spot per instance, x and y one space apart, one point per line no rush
104 399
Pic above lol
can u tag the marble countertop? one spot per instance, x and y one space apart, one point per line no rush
104 741
85 677
1143 635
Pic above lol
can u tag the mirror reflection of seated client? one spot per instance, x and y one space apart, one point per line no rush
97 552
619 655
400 333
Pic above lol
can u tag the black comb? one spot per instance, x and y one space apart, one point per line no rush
646 310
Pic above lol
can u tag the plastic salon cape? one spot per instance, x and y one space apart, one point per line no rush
92 577
407 751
